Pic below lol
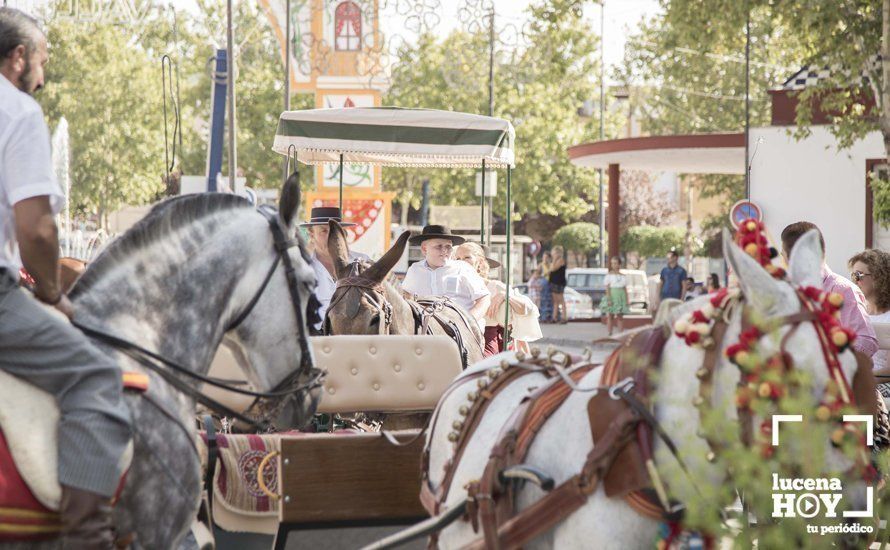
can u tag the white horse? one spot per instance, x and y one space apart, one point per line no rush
563 443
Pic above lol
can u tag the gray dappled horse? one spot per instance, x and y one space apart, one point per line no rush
365 303
175 284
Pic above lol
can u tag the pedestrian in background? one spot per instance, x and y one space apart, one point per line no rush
535 282
546 306
558 285
713 283
853 313
690 290
672 277
870 270
614 303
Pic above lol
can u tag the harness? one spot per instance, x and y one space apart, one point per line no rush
267 405
622 425
423 309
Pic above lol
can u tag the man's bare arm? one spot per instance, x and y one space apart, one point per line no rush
38 238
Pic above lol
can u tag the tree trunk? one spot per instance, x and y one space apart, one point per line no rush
885 84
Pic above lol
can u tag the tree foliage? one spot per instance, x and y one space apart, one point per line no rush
117 136
107 89
649 241
580 238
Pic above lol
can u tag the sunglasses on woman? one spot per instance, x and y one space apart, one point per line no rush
858 275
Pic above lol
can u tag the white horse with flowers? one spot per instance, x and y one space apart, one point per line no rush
563 442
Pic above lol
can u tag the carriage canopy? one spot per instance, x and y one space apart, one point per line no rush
391 136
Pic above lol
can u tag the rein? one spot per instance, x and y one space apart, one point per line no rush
171 370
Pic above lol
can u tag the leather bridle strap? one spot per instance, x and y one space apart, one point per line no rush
376 294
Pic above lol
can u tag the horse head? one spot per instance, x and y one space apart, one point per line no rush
364 302
795 335
273 336
200 268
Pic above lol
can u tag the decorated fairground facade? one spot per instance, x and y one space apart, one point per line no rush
336 53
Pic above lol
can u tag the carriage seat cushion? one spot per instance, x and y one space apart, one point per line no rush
385 373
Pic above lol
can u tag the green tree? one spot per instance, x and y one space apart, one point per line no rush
106 88
649 241
580 238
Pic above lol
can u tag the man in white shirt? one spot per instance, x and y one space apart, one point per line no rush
439 275
35 344
325 274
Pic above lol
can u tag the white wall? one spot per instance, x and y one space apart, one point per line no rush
810 180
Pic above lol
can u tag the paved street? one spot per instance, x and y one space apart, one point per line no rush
573 336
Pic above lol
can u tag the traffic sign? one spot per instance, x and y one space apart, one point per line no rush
744 210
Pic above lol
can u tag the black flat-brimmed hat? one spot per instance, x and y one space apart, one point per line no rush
436 232
321 215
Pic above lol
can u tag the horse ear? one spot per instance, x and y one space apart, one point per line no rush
289 202
338 248
384 265
760 288
805 262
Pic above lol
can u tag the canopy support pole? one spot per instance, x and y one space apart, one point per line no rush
230 81
287 33
509 221
341 186
482 203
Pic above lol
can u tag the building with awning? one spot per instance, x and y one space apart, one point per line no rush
791 180
682 154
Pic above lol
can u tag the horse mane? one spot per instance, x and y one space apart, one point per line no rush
164 218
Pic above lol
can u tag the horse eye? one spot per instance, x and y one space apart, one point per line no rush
375 320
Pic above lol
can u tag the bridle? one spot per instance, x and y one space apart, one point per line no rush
374 291
267 405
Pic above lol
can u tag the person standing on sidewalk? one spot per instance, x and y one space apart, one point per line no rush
672 277
558 285
614 302
35 344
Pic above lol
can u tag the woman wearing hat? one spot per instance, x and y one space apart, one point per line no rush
322 264
523 312
439 275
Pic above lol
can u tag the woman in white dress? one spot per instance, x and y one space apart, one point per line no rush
524 323
870 270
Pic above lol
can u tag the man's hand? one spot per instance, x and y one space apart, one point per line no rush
38 238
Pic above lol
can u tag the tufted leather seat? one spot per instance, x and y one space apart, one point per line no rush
385 373
376 373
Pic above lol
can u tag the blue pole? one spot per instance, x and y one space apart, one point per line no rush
217 119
